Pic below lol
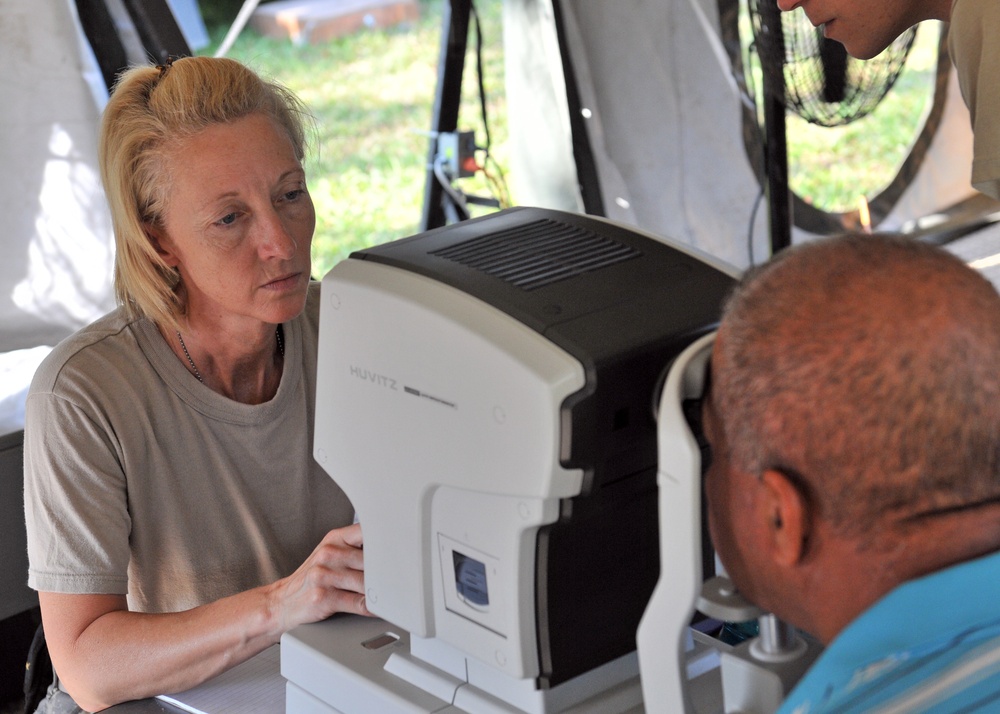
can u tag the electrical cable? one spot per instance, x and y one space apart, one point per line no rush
750 93
479 73
497 183
457 199
753 220
499 188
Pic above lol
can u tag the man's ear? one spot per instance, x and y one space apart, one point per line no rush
161 244
787 511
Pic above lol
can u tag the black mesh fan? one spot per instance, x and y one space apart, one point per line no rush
824 85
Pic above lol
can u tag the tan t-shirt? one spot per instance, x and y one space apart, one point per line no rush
141 480
972 42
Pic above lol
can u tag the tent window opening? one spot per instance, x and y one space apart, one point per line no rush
856 131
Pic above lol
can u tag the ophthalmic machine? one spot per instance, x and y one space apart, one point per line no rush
487 397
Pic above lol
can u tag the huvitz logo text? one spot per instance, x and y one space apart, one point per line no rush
374 377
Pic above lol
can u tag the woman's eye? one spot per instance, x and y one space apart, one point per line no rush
228 219
294 194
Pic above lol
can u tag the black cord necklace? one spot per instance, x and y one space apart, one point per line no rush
278 333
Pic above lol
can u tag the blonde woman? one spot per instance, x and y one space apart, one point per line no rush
177 522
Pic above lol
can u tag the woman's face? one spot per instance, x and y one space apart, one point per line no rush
238 223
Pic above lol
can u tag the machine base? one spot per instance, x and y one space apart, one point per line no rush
339 667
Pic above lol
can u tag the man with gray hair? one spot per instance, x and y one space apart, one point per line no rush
854 488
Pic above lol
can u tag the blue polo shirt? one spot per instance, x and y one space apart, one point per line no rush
930 645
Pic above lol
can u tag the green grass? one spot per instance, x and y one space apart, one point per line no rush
372 94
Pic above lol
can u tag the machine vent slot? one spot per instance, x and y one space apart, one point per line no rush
539 253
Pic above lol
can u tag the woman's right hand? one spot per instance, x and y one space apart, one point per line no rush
331 580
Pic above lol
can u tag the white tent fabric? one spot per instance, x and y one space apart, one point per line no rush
542 170
662 112
57 244
189 18
945 175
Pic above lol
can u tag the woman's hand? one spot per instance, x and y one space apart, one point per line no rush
331 580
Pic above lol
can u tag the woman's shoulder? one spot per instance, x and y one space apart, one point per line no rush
102 343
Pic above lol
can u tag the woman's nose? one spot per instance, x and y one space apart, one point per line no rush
277 240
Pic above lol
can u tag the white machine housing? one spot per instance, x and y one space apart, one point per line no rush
681 671
484 397
663 634
449 445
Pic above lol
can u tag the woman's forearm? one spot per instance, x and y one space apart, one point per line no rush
121 655
105 654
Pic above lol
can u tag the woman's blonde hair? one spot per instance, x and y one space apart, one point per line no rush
150 110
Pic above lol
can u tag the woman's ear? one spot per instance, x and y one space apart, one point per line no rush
787 510
161 244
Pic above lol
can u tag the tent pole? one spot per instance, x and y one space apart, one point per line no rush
447 98
775 140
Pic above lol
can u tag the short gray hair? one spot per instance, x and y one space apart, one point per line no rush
870 365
